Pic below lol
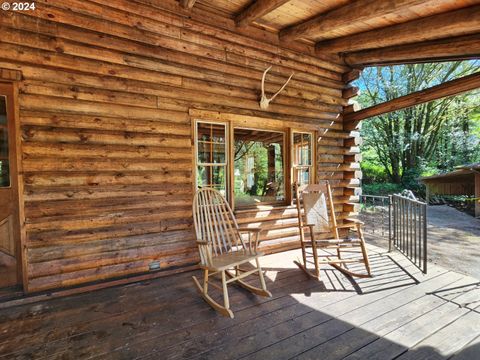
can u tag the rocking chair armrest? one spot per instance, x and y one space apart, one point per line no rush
347 226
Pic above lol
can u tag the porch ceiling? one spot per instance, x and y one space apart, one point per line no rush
355 28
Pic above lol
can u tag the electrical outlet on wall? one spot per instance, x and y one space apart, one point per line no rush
154 265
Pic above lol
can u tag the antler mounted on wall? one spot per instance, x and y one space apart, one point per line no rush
264 101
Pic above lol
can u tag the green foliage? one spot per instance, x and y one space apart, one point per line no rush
410 181
422 140
373 173
381 189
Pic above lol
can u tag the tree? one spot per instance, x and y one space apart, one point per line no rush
407 141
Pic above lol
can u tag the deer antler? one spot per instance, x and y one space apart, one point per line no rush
264 101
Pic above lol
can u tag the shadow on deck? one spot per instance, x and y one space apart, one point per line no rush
398 314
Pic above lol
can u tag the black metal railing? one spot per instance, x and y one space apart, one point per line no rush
409 229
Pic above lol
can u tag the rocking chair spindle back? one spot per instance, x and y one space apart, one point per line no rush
222 248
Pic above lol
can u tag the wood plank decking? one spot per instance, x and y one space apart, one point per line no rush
398 314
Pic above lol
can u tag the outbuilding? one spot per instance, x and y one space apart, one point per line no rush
465 180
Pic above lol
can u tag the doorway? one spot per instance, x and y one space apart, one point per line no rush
10 259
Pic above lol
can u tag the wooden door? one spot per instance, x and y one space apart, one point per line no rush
9 223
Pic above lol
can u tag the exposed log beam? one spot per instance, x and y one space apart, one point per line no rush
187 4
357 11
448 88
454 23
256 10
456 48
350 92
352 75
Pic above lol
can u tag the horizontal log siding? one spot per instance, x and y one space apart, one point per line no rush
104 103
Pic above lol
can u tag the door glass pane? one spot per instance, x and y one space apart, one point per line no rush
258 167
4 163
3 110
3 143
4 173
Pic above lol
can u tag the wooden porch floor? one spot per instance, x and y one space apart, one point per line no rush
398 314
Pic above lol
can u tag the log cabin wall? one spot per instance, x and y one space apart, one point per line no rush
106 101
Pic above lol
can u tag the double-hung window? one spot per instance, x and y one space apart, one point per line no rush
302 144
212 155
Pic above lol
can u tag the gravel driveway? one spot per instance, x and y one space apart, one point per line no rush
453 240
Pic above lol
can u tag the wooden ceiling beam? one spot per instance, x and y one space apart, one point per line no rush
454 23
256 10
455 48
354 12
187 4
449 88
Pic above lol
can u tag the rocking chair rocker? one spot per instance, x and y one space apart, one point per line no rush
222 248
314 216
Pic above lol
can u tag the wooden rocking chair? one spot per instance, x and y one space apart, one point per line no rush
313 214
222 248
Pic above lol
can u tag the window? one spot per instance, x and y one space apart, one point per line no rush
249 166
4 162
211 154
258 158
302 157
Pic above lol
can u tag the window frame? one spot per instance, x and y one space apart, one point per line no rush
312 166
232 122
196 153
